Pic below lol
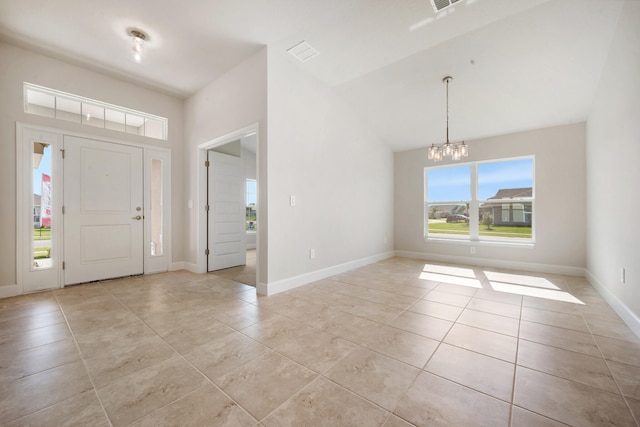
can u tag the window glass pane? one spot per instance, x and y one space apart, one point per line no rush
68 109
251 216
156 207
154 128
40 103
42 192
114 120
447 220
506 179
92 115
135 124
506 221
449 183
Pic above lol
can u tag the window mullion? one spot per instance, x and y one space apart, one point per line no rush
474 216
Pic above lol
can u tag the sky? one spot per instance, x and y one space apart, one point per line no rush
454 183
45 167
251 191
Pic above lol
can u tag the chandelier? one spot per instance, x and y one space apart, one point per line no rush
455 150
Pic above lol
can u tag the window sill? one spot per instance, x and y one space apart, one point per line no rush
494 243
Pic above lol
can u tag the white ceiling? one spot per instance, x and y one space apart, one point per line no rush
517 65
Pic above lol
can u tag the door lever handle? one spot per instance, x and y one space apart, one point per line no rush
137 217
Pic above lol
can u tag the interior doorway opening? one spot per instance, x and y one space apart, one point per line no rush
231 219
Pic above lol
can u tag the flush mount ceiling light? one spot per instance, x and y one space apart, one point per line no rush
137 44
456 150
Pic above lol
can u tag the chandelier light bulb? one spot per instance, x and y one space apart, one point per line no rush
137 44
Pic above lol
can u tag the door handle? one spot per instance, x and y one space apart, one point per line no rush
137 217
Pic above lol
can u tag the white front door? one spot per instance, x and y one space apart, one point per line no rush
103 217
227 211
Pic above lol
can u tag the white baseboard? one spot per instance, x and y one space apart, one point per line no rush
625 313
251 246
490 262
304 279
175 266
9 291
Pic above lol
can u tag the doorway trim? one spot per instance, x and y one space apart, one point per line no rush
22 205
201 258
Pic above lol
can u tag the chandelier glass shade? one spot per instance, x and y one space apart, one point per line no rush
454 150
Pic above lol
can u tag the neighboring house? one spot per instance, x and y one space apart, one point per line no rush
510 213
36 211
444 211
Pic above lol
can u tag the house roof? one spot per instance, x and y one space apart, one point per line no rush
510 193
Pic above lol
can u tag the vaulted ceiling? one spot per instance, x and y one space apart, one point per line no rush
517 65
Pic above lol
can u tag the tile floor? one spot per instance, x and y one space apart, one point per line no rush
397 343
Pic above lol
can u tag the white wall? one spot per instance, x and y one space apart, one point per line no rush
613 167
560 217
234 101
20 65
340 173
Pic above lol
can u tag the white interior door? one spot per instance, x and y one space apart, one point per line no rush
103 217
226 188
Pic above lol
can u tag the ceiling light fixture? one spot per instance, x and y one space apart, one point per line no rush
137 44
456 150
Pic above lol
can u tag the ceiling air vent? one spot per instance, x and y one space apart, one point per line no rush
303 51
440 5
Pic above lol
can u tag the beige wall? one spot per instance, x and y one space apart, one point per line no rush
560 204
613 156
20 65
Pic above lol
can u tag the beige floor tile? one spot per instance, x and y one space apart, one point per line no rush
265 383
619 351
136 395
114 363
394 421
96 319
323 403
29 394
224 354
569 402
479 372
94 341
551 305
436 309
349 327
498 296
362 308
456 289
523 418
490 322
559 337
482 341
612 330
566 364
27 323
404 346
448 298
79 293
427 326
554 318
275 330
188 337
435 401
83 409
494 307
373 376
635 408
627 377
316 350
33 338
206 406
37 359
27 305
162 303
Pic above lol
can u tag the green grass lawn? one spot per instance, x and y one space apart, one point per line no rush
41 234
462 229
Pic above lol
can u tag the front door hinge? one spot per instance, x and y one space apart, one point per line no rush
206 251
63 265
206 208
62 151
63 210
206 163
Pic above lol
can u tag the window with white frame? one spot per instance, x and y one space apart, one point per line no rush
46 102
481 201
251 215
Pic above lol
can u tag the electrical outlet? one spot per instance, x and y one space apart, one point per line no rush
292 200
312 254
472 250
